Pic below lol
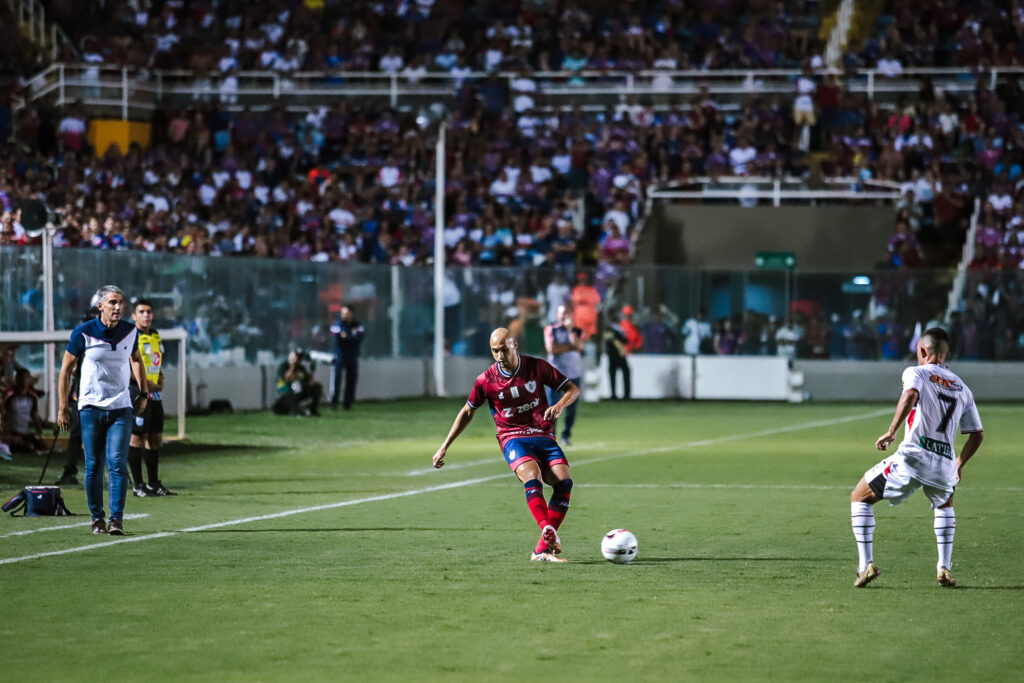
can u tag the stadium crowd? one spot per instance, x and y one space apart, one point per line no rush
354 183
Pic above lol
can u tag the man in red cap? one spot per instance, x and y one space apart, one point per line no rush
621 339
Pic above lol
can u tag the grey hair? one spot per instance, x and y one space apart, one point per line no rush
102 293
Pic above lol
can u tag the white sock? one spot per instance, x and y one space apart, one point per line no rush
862 519
945 527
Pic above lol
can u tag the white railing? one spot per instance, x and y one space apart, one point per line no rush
31 17
125 88
755 188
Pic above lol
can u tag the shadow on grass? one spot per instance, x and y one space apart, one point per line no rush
651 560
328 530
669 560
192 448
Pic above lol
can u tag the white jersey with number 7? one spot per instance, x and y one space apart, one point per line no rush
945 404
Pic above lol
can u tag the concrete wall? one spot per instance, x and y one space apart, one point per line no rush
654 377
829 380
824 238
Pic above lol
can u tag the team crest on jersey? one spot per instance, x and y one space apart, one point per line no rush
531 386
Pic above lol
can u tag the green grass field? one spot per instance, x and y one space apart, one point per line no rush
744 571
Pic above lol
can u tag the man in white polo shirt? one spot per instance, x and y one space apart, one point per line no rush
109 352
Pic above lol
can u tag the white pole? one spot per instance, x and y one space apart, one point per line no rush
182 386
48 359
124 93
439 263
396 309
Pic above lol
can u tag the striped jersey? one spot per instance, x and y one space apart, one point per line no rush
945 404
105 356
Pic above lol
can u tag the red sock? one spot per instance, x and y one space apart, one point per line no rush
539 510
558 507
535 501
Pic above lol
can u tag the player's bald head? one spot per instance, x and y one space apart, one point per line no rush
503 348
934 343
499 336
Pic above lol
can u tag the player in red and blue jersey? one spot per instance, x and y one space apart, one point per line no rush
514 390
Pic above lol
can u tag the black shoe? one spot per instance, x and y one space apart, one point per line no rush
67 480
161 490
143 491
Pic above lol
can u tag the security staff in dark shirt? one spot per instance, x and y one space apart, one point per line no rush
348 337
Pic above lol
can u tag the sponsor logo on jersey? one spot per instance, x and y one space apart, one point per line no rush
938 447
946 383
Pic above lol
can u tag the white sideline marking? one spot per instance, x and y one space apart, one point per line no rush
440 487
64 526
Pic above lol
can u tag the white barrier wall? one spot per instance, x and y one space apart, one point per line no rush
838 380
653 377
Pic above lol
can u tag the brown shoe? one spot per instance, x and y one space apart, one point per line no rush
99 526
115 528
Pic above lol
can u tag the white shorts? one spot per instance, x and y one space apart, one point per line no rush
893 480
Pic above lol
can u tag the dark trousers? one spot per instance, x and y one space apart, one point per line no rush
618 363
291 403
351 371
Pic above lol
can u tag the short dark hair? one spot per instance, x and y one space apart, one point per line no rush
939 341
142 302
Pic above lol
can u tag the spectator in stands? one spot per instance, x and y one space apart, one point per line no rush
658 335
22 425
697 335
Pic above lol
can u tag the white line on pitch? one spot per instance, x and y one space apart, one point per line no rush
431 489
64 526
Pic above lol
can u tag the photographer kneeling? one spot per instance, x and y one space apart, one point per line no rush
296 386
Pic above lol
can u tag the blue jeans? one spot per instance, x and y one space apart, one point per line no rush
106 435
570 412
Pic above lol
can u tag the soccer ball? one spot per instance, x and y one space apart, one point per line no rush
619 546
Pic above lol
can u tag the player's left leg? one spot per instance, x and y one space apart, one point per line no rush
945 528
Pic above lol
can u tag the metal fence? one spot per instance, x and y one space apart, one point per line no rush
252 310
128 91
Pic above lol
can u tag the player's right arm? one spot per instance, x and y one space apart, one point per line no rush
908 399
462 421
